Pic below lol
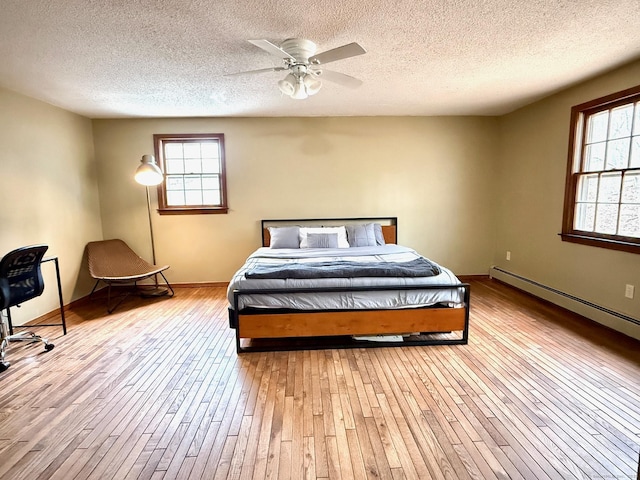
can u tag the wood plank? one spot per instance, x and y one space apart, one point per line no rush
156 390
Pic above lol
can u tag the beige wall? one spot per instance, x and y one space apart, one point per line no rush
465 190
530 195
434 174
49 193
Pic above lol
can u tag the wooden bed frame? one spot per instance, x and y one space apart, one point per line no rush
435 323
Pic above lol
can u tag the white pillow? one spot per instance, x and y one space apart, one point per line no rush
341 231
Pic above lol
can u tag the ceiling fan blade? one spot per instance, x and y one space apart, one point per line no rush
338 53
261 70
339 78
269 47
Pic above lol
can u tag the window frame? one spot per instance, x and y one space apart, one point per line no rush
163 208
579 115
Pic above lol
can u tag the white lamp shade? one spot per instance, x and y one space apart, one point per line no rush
299 92
287 85
148 173
312 84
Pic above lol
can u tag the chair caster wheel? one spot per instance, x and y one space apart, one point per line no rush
49 346
4 366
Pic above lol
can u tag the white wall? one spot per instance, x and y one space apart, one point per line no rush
49 193
434 174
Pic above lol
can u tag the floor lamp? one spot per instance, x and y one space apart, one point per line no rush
149 174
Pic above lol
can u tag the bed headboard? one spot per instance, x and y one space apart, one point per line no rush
389 225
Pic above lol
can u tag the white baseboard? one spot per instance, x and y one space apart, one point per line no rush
615 320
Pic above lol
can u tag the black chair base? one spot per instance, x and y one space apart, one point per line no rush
20 280
25 336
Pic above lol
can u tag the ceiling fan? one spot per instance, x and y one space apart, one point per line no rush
305 65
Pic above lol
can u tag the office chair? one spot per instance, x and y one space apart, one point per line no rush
20 280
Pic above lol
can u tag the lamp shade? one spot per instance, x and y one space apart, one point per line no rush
287 85
312 84
299 91
148 173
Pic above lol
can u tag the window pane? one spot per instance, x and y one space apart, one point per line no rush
634 161
618 153
175 198
594 157
210 149
597 127
192 182
175 183
193 197
173 150
610 184
620 123
211 197
636 121
631 188
210 165
210 182
588 188
585 216
175 166
630 220
191 150
607 218
192 165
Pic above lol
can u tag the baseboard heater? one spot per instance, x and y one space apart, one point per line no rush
579 300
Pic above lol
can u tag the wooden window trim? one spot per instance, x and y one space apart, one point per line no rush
163 208
579 114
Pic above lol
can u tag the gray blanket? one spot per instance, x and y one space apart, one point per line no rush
420 267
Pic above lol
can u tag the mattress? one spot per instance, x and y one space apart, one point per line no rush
357 297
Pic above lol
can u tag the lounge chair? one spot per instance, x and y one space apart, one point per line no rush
114 263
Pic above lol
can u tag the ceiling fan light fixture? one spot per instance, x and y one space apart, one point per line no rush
299 87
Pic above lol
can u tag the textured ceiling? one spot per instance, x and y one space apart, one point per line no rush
154 58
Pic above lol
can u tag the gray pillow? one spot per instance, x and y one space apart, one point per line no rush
322 240
377 229
362 235
284 237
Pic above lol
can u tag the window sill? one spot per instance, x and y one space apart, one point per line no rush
601 242
193 211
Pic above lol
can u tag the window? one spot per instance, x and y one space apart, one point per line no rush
602 197
194 173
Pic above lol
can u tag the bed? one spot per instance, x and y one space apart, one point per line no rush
341 283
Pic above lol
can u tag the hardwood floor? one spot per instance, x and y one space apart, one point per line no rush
156 391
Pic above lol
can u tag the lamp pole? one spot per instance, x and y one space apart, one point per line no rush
153 246
149 174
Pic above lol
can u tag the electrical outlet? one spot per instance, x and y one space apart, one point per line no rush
629 291
508 255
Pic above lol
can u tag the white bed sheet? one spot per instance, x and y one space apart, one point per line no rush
391 299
